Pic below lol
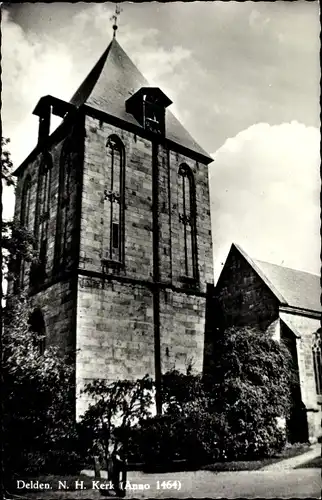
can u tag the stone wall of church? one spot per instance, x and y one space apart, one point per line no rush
115 324
32 170
307 327
55 296
115 338
138 212
57 304
243 296
182 320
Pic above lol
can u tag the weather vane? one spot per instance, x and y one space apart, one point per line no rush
117 12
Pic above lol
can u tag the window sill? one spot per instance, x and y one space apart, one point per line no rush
115 264
188 280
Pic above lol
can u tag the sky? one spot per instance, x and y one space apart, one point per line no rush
244 81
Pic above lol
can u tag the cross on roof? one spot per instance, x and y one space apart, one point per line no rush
114 17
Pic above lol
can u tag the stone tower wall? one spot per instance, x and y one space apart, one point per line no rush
115 309
56 296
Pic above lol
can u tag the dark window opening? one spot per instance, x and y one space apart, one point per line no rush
148 106
153 117
115 235
114 200
37 326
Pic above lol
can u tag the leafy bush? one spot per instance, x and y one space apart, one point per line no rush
38 397
230 414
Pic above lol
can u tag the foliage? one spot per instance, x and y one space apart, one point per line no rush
252 370
117 407
231 414
38 392
181 393
17 243
251 379
6 163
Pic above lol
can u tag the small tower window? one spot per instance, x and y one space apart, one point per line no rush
153 116
148 107
317 361
114 198
187 219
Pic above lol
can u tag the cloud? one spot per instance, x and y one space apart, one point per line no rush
265 189
32 67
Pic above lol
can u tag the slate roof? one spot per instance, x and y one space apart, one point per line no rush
292 287
112 81
299 288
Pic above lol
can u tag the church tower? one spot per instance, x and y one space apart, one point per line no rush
118 200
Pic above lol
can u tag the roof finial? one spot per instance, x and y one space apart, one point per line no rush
117 12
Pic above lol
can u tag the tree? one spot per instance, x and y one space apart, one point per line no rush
38 393
6 163
116 408
17 243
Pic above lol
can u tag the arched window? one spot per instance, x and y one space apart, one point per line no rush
24 222
38 327
61 245
114 197
42 218
317 361
187 218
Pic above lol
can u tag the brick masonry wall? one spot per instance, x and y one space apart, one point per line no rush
182 319
243 296
33 170
138 196
115 330
57 295
115 337
306 327
57 304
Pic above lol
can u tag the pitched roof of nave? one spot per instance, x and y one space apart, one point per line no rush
112 81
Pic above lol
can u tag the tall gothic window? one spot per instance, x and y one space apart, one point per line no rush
187 218
317 361
114 197
24 222
42 218
25 203
63 208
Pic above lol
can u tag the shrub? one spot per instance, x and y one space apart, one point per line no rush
251 384
38 397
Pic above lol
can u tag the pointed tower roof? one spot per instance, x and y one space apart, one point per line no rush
112 81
